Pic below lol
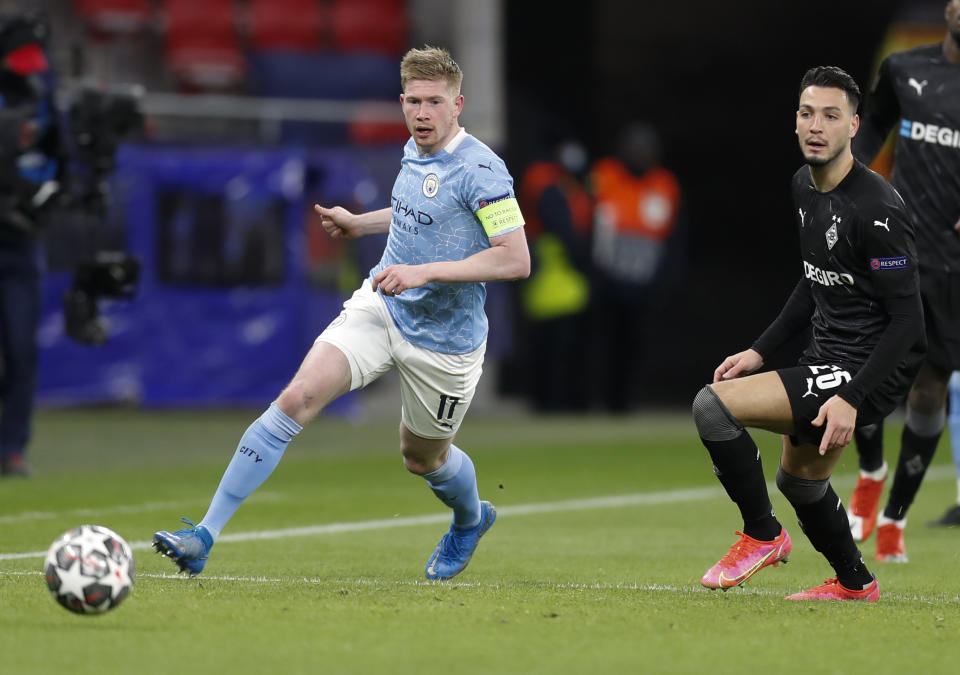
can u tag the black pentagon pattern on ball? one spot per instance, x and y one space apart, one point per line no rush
71 602
97 595
53 578
114 549
67 556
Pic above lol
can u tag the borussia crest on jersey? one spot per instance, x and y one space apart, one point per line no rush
438 214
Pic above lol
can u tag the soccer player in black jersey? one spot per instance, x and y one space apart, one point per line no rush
917 91
859 292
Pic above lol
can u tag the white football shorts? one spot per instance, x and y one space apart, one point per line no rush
436 389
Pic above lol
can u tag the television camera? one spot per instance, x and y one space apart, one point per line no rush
98 121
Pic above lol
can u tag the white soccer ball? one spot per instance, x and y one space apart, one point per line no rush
89 569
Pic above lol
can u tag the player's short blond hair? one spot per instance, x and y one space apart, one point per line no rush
431 63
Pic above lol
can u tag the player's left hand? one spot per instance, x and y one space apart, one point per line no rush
395 279
841 418
337 221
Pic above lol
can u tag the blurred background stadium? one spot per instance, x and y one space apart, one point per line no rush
256 109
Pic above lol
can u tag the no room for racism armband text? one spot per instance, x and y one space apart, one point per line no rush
500 216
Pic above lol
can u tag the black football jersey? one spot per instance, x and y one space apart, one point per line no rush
917 94
857 246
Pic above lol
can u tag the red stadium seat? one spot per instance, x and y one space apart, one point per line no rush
370 25
286 24
104 18
377 132
202 47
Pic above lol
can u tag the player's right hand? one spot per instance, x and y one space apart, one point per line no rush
840 418
738 365
336 221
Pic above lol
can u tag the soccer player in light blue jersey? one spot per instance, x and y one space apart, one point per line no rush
453 225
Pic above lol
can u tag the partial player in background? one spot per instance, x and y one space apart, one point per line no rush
454 224
951 517
917 93
859 291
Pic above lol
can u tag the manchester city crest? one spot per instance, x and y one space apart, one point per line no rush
431 184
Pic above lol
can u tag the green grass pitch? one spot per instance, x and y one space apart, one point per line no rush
593 566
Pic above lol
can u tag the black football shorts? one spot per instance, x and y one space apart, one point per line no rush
941 313
808 387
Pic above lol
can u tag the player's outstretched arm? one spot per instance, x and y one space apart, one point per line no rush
738 365
341 224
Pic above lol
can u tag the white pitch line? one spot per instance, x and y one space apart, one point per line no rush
27 516
653 588
639 499
620 501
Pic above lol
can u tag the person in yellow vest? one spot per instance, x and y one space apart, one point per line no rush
636 207
555 298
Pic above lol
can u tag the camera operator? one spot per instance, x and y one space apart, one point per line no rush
30 175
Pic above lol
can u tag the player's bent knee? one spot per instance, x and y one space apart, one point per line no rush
422 455
421 464
801 490
929 391
926 424
714 421
416 465
300 403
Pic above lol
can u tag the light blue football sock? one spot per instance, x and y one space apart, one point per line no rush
954 421
455 484
258 454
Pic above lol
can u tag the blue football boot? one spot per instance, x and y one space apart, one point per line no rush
458 545
188 548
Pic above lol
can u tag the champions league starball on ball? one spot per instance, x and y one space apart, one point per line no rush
89 569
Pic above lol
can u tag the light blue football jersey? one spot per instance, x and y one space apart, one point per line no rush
434 203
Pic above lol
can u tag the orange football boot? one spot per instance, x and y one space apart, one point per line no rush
831 589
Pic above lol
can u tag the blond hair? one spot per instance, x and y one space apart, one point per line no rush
431 63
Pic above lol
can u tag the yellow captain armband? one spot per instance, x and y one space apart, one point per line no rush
500 216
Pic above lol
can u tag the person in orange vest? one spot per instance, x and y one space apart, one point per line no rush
636 207
555 298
